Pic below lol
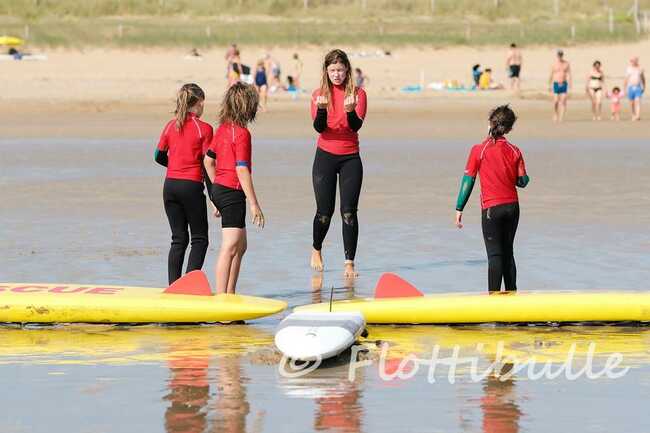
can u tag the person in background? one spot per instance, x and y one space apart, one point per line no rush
360 79
500 166
486 83
615 98
595 89
634 85
297 70
261 83
513 63
476 75
485 80
228 57
291 84
181 148
272 73
560 81
228 164
235 69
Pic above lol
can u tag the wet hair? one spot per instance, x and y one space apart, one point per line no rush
239 105
597 63
336 56
616 89
187 97
502 119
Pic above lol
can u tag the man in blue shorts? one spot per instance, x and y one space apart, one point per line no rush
635 86
560 80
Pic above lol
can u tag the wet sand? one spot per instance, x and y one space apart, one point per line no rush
82 203
89 211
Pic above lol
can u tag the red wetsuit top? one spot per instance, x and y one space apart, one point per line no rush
231 147
338 138
498 164
185 148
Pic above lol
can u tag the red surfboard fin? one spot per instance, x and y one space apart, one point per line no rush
192 283
394 286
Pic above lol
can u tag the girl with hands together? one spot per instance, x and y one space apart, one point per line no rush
338 108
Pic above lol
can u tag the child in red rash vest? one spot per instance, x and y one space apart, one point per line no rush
180 149
228 164
501 167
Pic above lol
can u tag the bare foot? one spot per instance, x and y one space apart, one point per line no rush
348 270
316 261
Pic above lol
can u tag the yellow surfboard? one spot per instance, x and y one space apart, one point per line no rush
189 300
396 301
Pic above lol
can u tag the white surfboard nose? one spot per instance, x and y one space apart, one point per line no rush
314 336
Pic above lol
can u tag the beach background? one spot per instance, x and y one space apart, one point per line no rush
82 203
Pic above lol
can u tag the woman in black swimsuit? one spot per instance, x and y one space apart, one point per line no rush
596 89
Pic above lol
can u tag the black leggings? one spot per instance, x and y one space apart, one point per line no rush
499 228
324 175
185 205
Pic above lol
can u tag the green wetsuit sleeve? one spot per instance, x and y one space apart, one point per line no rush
522 181
160 157
466 186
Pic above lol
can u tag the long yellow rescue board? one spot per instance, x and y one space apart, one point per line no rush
189 300
397 302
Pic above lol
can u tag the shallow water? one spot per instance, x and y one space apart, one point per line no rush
90 211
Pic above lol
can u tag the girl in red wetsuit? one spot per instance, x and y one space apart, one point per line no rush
338 109
180 149
501 167
228 163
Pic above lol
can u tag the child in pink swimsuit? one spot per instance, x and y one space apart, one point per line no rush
615 97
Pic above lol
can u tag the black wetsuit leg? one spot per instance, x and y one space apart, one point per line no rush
350 180
499 228
324 172
349 170
185 206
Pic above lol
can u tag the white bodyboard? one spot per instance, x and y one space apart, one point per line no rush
311 336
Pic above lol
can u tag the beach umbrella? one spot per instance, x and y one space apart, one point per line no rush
10 41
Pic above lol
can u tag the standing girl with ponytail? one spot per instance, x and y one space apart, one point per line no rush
501 168
337 109
180 149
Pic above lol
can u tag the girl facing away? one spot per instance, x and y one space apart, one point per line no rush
180 148
501 168
228 164
338 108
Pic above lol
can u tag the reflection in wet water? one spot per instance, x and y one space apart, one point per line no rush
501 413
338 401
189 393
225 378
332 293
